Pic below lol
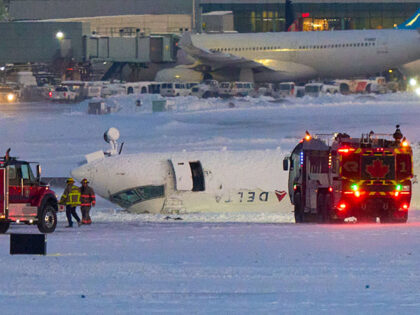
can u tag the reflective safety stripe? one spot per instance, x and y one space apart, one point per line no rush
74 196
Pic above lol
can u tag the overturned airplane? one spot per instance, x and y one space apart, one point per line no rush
187 182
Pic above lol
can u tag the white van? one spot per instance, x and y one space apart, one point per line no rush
316 89
84 89
63 93
287 89
141 87
174 89
112 89
154 87
225 89
206 89
242 88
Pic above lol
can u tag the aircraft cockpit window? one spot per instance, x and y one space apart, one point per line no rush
129 197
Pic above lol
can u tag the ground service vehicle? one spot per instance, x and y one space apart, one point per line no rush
365 177
317 89
63 94
174 89
206 89
290 89
8 95
24 198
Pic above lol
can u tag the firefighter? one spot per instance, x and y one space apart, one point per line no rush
87 200
71 199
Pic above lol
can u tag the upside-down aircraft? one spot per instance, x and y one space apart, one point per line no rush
187 182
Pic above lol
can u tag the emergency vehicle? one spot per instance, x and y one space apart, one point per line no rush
365 178
24 198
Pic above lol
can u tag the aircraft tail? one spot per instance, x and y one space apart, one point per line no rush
412 23
290 15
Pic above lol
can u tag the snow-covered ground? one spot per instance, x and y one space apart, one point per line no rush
208 263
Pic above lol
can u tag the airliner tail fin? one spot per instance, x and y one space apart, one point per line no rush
412 23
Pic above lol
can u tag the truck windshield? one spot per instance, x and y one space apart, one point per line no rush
318 161
285 87
312 89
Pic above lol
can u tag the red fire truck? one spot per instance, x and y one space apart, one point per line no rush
24 198
365 178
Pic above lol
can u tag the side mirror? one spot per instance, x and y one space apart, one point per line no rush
38 172
286 164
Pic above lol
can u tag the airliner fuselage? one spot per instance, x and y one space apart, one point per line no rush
304 55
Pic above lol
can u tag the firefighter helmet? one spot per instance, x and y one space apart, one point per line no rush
85 181
69 180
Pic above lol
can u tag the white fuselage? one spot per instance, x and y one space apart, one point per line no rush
305 55
190 182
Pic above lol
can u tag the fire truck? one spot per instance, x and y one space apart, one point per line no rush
24 198
363 178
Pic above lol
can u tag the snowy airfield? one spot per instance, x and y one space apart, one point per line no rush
208 263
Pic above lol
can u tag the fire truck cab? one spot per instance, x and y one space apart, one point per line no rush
365 178
24 198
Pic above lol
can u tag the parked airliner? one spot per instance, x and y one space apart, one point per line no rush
294 56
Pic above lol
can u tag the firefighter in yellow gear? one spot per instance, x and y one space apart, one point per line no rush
71 199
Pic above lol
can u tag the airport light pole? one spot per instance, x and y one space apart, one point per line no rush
196 16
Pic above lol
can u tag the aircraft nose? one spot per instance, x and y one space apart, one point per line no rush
80 173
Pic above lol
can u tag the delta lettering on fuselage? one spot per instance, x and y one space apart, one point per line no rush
252 196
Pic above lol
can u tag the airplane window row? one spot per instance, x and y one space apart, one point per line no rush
244 49
337 45
300 47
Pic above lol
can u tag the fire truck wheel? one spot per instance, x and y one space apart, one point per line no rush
47 220
298 208
4 226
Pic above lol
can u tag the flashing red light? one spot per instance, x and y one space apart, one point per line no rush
405 206
357 193
344 150
330 189
342 206
50 94
397 193
70 69
305 15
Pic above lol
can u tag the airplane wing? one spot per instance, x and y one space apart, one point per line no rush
217 60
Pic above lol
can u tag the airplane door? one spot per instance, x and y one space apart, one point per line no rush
189 175
382 45
183 175
293 51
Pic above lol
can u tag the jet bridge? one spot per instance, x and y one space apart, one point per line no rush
45 42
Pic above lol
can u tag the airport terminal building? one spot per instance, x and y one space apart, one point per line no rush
249 15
